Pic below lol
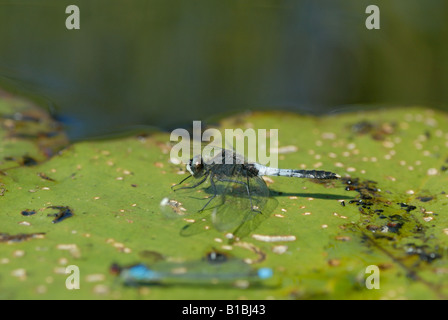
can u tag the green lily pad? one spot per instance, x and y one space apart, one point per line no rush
387 210
28 133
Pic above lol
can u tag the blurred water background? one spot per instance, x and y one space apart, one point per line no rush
165 63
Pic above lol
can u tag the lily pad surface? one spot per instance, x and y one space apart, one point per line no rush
93 204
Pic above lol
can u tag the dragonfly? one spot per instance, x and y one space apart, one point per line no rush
228 271
228 185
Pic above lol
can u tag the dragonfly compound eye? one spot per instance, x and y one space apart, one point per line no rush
195 166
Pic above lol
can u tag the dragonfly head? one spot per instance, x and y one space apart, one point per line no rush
195 166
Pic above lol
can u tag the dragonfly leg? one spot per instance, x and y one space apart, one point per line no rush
190 187
181 181
212 183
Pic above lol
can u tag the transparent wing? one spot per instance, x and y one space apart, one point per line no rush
200 225
242 199
230 210
253 221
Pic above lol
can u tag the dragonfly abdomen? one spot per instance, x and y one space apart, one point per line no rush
310 174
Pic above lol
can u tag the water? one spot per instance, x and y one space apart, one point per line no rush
167 63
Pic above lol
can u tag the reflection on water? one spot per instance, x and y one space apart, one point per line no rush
166 63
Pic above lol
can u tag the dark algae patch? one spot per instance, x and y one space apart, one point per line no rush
407 207
28 212
423 252
64 213
45 177
377 130
366 189
8 238
394 228
425 199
